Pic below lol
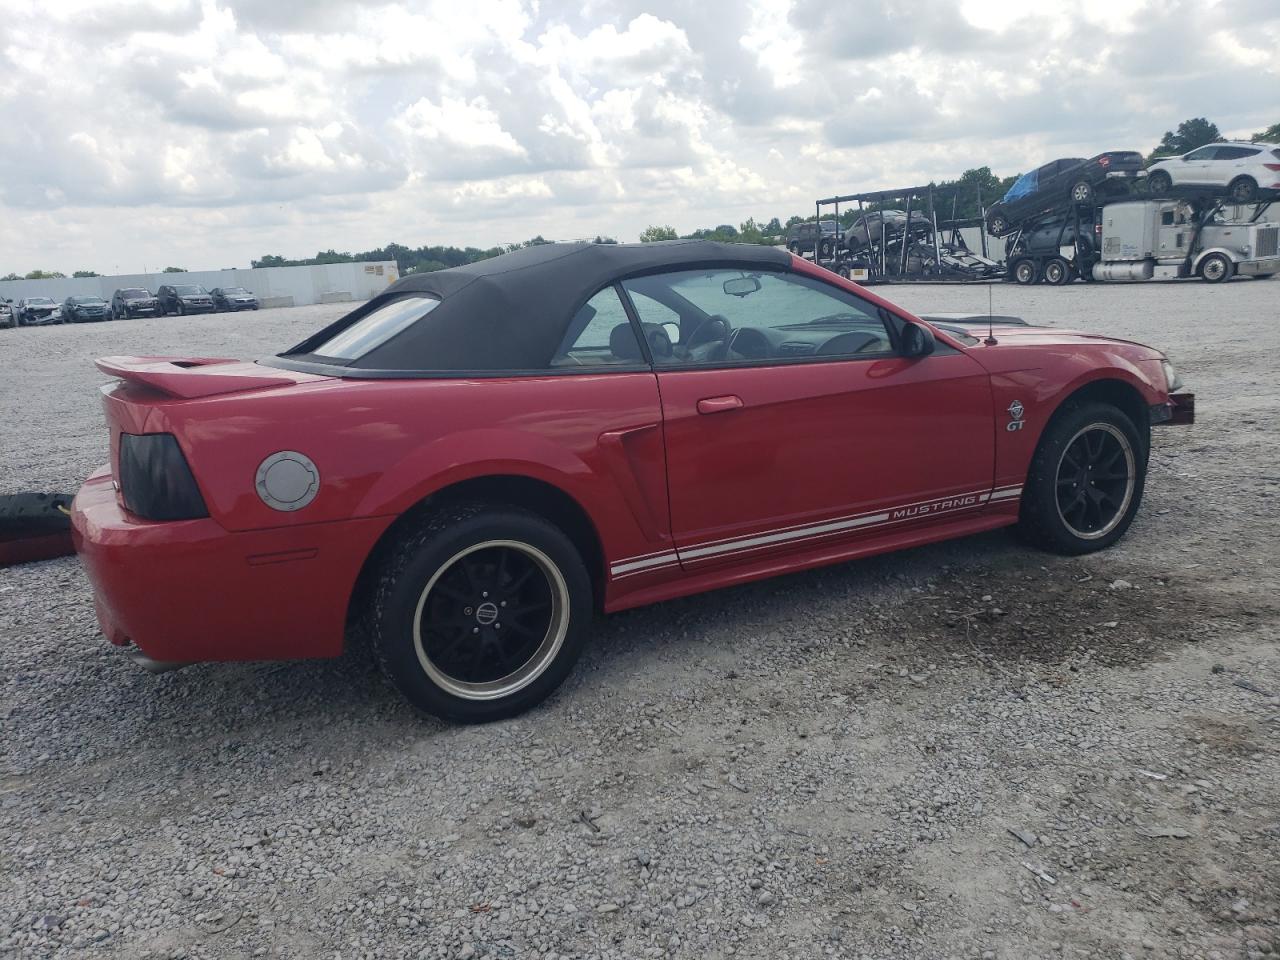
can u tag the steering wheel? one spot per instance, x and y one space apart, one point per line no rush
721 335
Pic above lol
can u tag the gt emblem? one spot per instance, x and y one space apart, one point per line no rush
1015 414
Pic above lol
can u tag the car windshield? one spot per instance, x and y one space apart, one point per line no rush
135 293
376 328
238 291
188 289
40 301
87 301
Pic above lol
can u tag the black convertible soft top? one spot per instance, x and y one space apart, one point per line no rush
509 313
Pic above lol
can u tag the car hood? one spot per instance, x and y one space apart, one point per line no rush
1028 336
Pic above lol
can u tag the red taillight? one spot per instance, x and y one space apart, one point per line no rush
1272 166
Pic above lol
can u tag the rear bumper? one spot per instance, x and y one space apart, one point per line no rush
188 590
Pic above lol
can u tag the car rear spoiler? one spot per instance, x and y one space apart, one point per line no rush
188 378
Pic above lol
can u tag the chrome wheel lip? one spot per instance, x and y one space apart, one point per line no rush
1131 481
1214 269
543 656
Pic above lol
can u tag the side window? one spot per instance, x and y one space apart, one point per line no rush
1204 153
599 335
1235 153
719 317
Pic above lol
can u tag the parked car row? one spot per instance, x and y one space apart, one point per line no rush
180 298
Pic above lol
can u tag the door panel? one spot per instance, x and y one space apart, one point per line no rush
820 451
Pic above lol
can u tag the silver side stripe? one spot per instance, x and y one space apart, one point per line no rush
644 563
656 561
1008 493
800 534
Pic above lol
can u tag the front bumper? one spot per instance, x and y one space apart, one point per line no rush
188 590
1180 408
198 307
1252 268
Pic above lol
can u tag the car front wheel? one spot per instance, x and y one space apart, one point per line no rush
1158 182
1082 192
480 612
1085 482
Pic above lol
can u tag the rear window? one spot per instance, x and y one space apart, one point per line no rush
376 328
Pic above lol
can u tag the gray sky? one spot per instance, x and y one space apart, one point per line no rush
201 134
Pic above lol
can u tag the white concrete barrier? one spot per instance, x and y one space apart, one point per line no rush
324 283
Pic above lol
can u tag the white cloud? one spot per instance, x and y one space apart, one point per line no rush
212 131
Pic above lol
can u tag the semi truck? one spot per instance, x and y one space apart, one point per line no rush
1148 239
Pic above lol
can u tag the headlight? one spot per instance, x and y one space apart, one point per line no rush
1173 382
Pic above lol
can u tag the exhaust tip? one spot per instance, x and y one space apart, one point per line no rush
150 665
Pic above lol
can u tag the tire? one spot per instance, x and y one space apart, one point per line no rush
1025 272
998 226
1082 192
1243 190
459 551
1216 268
1066 509
793 249
1159 182
1057 272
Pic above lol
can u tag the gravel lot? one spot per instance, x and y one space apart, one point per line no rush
968 750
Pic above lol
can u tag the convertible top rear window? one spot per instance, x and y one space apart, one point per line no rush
376 328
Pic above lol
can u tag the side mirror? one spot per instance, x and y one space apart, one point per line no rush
741 286
673 331
917 340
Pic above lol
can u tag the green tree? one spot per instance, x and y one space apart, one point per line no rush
270 260
652 234
85 273
1190 134
10 276
174 270
45 275
773 228
1269 135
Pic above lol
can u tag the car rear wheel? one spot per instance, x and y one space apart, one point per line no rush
1243 190
825 249
1082 192
1025 272
480 612
1159 182
1057 272
1216 267
1085 482
998 226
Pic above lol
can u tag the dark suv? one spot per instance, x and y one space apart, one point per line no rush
1060 184
827 236
234 298
182 298
83 309
134 302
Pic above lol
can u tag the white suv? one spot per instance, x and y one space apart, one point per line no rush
1243 169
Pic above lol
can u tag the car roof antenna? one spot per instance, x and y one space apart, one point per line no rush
991 340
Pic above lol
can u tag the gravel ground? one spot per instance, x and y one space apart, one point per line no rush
966 750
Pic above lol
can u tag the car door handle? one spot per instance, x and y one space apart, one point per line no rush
719 404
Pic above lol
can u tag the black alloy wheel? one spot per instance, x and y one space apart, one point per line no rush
1095 481
490 618
480 611
1086 480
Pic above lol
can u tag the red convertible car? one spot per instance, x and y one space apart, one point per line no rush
475 462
